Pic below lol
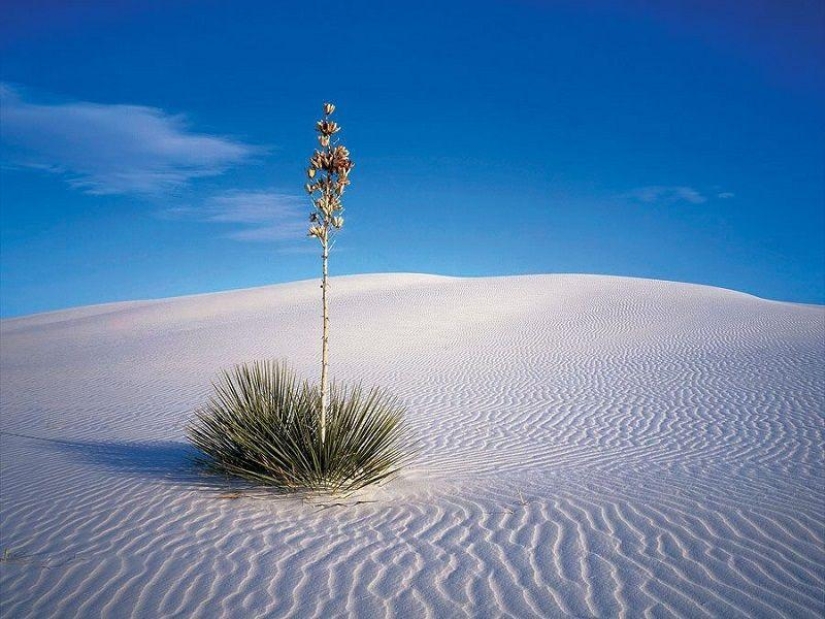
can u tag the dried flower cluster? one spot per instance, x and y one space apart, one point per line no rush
328 172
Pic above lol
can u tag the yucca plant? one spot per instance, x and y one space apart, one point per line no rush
263 424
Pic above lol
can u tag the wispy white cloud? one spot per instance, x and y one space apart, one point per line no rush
667 194
252 215
726 195
112 148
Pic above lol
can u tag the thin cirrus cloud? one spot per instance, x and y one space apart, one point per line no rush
663 194
112 148
257 216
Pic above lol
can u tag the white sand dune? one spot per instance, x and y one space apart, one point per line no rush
592 446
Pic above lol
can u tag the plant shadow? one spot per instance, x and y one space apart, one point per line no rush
170 461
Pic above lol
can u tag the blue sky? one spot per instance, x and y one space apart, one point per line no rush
153 149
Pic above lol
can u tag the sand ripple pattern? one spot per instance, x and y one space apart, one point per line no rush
592 447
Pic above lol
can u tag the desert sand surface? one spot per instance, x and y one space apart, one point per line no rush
590 446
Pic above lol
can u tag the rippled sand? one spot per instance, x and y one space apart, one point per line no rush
592 446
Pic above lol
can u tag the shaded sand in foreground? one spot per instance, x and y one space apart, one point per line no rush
592 446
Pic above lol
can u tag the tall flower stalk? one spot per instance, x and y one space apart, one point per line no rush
328 173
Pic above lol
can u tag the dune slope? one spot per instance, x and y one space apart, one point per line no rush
591 446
